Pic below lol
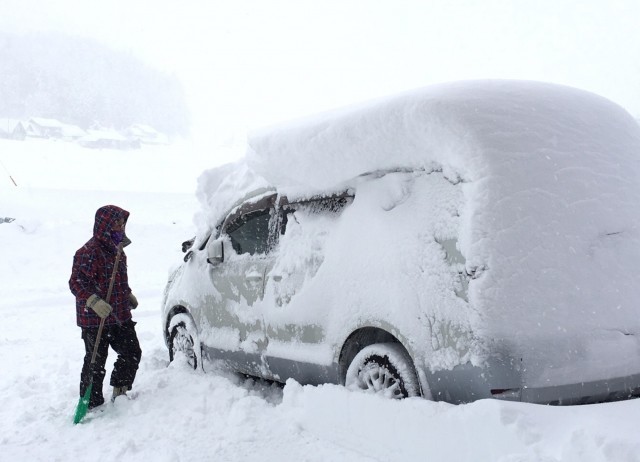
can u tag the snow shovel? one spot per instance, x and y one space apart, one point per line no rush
83 404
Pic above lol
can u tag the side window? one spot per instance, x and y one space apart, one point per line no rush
249 233
333 205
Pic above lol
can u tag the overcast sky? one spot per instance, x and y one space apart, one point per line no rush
246 64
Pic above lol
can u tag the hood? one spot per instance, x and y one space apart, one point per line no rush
106 217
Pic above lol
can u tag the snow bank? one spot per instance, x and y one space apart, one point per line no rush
487 430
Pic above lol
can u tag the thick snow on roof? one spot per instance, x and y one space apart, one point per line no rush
470 125
44 122
221 188
550 218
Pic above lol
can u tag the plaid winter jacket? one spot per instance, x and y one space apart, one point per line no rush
92 268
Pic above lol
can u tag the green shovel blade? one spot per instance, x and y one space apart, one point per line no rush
83 405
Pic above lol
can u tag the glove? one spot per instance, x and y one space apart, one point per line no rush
133 301
99 306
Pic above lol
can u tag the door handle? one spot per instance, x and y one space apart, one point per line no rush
277 277
254 277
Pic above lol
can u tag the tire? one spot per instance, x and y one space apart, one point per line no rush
184 341
384 369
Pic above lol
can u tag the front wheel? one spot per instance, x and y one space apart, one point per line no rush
184 340
384 369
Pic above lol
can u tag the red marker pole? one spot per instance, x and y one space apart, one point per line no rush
10 177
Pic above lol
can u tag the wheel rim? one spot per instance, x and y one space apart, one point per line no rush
380 379
183 342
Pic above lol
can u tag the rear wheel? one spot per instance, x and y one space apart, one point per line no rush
384 369
184 341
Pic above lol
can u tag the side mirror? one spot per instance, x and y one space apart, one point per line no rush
215 251
186 245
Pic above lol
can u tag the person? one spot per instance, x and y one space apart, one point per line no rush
91 274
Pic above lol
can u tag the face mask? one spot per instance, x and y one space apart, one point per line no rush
117 236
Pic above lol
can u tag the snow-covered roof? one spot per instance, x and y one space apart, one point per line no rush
146 134
72 131
470 129
143 130
45 122
468 125
68 130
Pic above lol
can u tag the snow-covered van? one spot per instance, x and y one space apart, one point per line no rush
463 241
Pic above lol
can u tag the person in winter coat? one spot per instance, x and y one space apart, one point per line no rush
92 269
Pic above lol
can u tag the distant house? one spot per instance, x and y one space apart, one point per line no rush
19 131
39 127
12 129
72 132
104 138
146 134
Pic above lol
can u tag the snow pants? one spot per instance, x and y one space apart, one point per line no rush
124 341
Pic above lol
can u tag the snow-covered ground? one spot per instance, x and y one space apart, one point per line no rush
182 415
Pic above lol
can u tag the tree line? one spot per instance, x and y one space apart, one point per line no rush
81 81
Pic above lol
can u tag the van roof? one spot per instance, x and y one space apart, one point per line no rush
470 126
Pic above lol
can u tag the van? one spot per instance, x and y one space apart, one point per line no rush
463 241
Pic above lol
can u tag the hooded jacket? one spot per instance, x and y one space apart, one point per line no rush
92 268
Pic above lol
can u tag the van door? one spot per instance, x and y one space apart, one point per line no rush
295 341
236 323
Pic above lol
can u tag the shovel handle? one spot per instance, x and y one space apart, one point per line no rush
111 283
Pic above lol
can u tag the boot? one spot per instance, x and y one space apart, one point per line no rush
119 391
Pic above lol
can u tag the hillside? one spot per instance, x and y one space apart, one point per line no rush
81 82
